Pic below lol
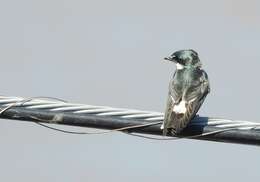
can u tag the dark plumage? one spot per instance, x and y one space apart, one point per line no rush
187 90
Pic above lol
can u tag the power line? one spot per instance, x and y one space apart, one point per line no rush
48 110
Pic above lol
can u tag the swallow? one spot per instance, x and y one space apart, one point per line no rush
188 89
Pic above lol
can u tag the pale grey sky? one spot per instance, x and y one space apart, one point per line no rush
110 53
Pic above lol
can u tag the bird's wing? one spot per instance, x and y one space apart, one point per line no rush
174 122
173 97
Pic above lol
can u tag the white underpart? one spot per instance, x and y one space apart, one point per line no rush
179 66
180 108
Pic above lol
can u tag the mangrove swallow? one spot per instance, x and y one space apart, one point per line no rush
188 88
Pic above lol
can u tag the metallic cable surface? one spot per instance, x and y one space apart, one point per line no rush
103 117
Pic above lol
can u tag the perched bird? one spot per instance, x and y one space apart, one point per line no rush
188 88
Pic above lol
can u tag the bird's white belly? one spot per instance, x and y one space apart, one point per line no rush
180 108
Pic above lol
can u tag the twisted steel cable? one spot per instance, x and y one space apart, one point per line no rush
61 106
48 110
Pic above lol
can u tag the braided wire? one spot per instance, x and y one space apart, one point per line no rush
54 105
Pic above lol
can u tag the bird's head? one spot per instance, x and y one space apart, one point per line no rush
185 58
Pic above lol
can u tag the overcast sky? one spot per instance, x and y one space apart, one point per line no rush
110 53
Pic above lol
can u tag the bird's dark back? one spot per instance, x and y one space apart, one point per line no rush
187 78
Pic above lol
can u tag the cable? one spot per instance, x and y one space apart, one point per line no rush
21 102
180 137
40 109
92 133
104 132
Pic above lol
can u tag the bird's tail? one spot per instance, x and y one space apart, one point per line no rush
169 131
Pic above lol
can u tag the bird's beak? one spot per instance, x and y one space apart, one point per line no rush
170 58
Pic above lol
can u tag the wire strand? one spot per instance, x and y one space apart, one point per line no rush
10 102
20 103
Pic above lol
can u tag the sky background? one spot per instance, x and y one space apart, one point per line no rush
110 53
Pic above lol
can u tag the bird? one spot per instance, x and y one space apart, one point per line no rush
188 89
